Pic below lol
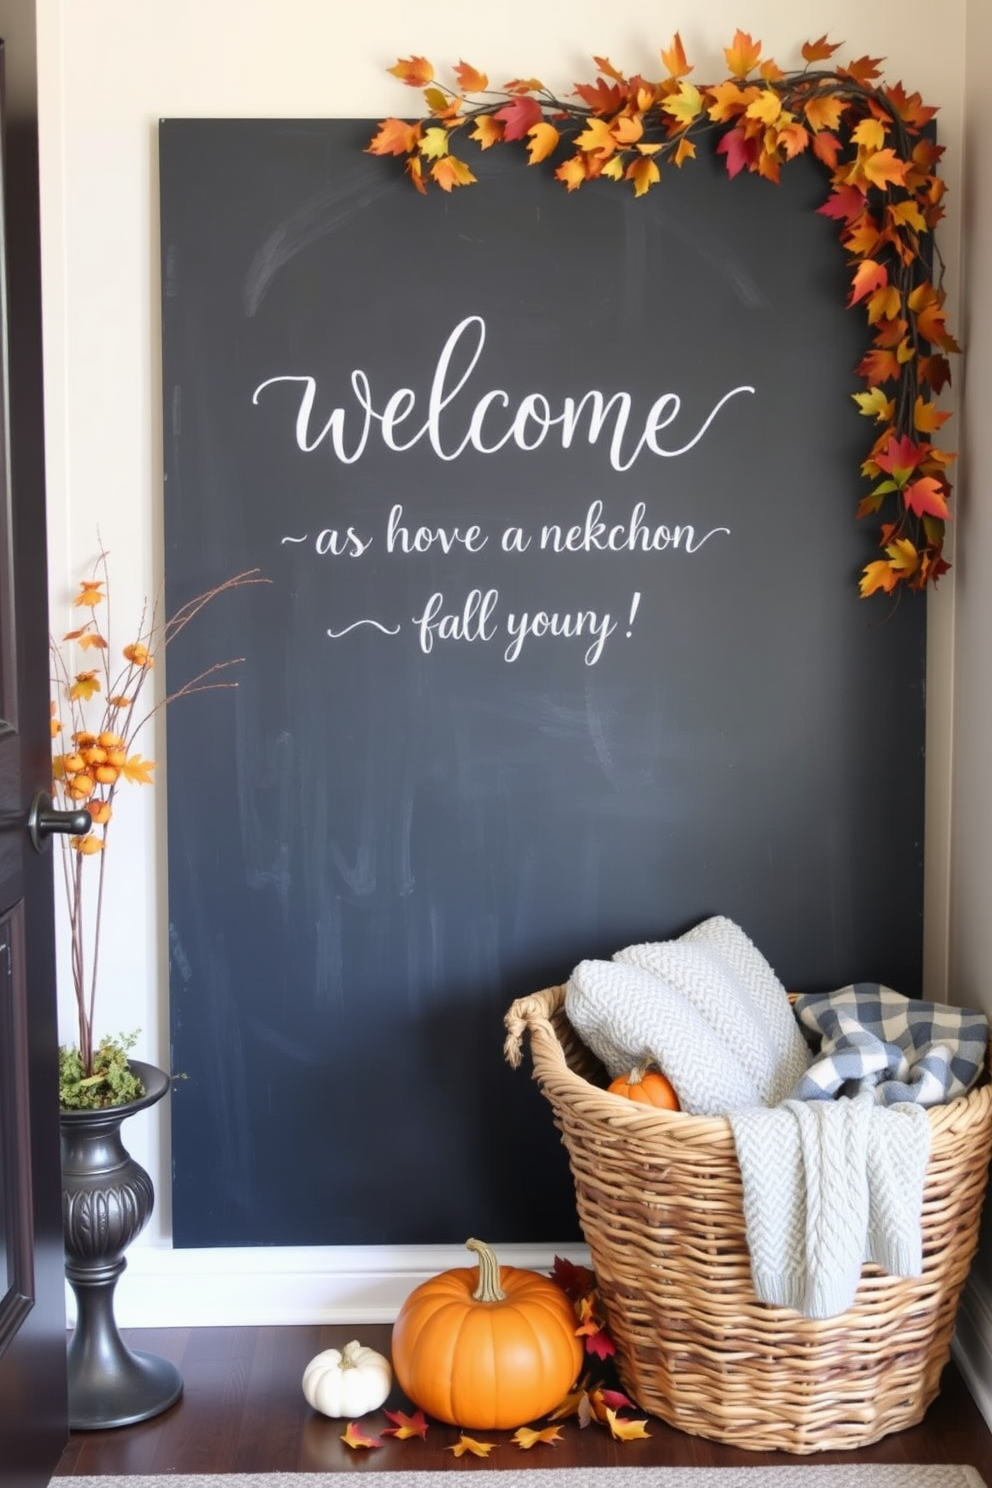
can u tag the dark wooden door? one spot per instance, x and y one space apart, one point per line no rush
33 1407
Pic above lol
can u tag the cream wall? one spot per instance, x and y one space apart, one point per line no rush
108 70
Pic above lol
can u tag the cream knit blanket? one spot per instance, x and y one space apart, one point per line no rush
827 1184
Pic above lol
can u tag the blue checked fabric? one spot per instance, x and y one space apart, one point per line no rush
901 1049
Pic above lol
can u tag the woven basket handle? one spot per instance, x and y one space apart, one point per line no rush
525 1013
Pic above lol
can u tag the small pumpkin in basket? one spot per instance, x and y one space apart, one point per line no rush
646 1087
489 1349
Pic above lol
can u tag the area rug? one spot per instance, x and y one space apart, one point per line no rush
855 1475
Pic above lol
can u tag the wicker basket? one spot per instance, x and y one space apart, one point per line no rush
660 1204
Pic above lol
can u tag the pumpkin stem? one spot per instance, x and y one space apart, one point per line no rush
637 1074
488 1289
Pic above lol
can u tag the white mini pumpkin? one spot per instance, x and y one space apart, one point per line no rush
347 1382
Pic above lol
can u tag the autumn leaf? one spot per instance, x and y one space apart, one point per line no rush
740 152
728 101
879 366
625 1430
927 417
434 144
85 686
742 55
90 593
601 96
470 80
520 86
869 134
819 51
794 139
874 404
469 1444
416 72
597 138
927 497
544 139
395 137
877 575
674 58
451 172
909 106
884 304
405 1426
906 214
137 770
684 150
91 640
685 105
935 372
487 131
527 1437
644 173
575 1281
627 129
863 70
868 276
844 205
606 66
518 117
884 168
824 113
415 171
826 148
353 1436
572 173
767 107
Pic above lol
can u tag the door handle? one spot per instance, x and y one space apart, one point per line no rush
44 820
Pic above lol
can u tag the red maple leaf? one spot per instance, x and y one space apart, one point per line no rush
518 117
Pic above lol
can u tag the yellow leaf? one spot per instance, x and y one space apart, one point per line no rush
469 1444
684 150
877 575
625 1430
903 556
767 107
884 304
869 134
674 58
526 1436
874 404
488 131
90 640
613 169
884 168
644 173
543 142
137 770
685 105
86 685
434 144
436 100
596 139
728 101
907 214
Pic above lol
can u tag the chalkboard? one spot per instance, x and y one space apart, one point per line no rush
562 649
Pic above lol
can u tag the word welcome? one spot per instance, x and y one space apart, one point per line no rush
453 423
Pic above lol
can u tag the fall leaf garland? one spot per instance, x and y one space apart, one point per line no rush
885 197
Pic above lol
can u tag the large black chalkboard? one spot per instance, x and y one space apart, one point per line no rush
417 807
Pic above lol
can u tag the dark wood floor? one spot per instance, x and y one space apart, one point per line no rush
243 1411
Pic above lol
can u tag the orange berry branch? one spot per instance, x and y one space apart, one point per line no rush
873 141
103 706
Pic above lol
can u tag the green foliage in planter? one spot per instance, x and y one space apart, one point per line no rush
112 1083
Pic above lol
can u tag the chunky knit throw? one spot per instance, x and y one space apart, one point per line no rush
833 1148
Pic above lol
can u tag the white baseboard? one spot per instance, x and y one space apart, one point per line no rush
166 1288
972 1346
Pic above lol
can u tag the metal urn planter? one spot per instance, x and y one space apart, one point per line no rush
107 1199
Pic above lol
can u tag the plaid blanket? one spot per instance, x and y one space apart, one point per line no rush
868 1037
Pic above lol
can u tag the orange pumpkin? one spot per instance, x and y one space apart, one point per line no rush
648 1087
490 1349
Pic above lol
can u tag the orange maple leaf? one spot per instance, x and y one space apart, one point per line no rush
416 72
878 575
90 593
863 70
927 417
85 686
826 148
684 150
868 277
573 172
470 80
879 366
450 172
90 640
884 168
742 55
469 1444
884 304
354 1436
405 1426
601 96
527 1437
909 106
824 113
819 51
487 131
767 106
674 58
606 66
728 101
395 137
793 139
